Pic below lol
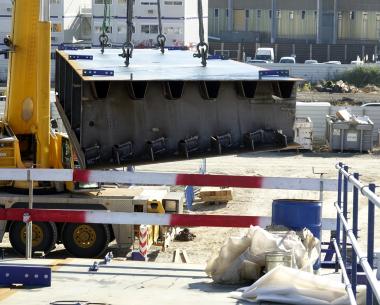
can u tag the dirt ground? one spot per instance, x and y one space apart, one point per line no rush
258 202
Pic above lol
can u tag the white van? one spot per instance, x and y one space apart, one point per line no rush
287 60
265 54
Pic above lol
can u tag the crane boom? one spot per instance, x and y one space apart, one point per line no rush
28 107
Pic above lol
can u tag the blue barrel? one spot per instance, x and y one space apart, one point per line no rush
297 214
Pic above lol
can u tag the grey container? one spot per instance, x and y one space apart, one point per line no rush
349 135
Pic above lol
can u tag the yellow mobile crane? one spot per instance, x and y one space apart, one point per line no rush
28 141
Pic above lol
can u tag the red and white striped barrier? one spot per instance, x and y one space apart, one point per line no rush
174 220
143 241
150 178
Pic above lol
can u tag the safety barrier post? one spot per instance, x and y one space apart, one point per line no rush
370 241
345 203
355 216
28 221
337 237
143 241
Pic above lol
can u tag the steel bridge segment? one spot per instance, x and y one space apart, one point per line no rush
150 65
168 107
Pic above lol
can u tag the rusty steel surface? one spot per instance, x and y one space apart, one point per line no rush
165 107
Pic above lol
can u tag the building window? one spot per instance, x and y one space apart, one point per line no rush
340 16
216 12
352 15
55 2
291 15
145 29
278 14
99 29
365 16
270 14
173 3
246 13
149 28
258 13
315 14
227 13
153 29
303 15
377 17
102 1
172 30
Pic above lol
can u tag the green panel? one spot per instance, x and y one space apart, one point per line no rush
296 28
359 28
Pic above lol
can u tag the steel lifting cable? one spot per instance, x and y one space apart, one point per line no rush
103 38
202 46
161 39
128 45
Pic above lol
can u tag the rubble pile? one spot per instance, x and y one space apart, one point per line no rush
336 87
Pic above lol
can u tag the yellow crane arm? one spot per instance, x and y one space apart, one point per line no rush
28 105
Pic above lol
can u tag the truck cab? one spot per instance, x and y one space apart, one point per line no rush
265 54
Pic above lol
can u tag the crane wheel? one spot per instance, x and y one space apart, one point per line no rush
85 239
44 236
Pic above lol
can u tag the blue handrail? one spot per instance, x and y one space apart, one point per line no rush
366 261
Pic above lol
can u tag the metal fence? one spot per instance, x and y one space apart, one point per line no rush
321 52
345 179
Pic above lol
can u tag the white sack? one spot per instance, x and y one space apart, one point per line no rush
291 286
239 253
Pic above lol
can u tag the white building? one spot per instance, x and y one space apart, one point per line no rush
179 22
66 26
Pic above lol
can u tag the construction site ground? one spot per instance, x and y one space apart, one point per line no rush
188 282
256 202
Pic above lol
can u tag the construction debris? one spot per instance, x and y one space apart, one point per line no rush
243 259
336 87
348 132
215 194
185 235
370 89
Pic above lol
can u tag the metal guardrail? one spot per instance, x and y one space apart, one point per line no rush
365 260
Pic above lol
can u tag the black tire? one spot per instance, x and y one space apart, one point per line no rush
86 240
44 236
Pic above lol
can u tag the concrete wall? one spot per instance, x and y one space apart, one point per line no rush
312 73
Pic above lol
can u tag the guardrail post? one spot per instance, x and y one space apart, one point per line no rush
355 215
345 203
370 241
337 237
28 222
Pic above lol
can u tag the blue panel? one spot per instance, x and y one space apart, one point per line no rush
25 275
88 72
69 48
85 57
277 73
